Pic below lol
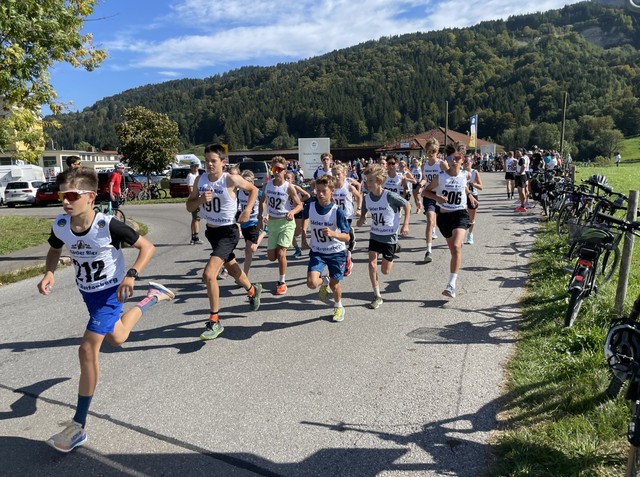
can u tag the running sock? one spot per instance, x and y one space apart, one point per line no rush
429 247
338 304
251 291
282 279
147 302
82 409
376 291
214 317
452 279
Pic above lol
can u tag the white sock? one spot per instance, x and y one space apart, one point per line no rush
429 247
338 304
325 281
282 279
452 279
376 291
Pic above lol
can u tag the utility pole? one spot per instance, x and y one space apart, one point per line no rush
564 119
446 122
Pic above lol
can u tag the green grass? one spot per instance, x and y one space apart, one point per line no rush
17 233
630 149
556 419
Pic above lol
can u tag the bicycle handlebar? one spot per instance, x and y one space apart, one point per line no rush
621 223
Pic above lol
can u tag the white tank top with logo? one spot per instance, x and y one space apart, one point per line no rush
344 199
320 243
429 171
222 208
277 199
511 165
243 201
453 189
394 184
417 174
384 221
98 264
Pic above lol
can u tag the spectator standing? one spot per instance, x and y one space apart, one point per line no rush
73 162
192 177
115 181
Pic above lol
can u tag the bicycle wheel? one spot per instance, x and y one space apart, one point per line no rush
607 265
633 462
614 388
566 212
118 214
575 303
162 193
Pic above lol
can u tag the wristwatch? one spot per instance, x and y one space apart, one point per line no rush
133 273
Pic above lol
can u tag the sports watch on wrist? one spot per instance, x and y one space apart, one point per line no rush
133 273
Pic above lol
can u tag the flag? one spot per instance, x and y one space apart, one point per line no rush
474 130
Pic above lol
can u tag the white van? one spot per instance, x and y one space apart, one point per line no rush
19 173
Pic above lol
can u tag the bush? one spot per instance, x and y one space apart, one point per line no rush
601 161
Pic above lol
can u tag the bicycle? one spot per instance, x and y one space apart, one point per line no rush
108 209
596 244
622 353
152 192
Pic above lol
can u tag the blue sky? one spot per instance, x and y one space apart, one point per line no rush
152 41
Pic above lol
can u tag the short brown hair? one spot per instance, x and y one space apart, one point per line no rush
326 180
82 178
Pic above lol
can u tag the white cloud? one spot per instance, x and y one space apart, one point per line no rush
230 31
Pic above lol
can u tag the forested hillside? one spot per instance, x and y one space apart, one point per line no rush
512 73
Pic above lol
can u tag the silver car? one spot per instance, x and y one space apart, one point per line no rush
260 170
21 192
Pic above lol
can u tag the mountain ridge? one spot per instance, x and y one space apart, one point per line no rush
512 72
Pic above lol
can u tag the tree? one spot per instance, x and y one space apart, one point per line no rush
607 142
34 35
148 140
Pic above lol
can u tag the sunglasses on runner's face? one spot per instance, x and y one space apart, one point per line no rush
275 170
72 195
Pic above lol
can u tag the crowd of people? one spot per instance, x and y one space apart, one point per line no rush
288 212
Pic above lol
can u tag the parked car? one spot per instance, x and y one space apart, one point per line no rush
178 182
128 181
260 170
47 194
21 192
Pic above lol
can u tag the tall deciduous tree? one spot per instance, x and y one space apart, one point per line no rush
34 35
148 140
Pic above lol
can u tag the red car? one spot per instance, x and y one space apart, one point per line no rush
47 194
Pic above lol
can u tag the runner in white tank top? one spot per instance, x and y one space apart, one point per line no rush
215 194
450 191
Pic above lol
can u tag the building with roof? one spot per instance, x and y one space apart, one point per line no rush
416 144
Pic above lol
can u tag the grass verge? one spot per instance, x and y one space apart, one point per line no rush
556 418
17 233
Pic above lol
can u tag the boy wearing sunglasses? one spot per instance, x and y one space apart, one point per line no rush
282 204
94 241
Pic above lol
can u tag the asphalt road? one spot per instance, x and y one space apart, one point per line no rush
412 388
